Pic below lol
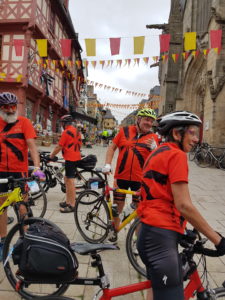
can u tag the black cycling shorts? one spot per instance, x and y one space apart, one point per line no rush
158 249
4 186
126 185
70 167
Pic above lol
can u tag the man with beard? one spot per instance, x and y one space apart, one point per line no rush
135 143
16 136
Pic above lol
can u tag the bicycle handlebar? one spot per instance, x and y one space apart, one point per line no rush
189 242
15 180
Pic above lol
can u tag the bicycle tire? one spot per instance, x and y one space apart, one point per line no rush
92 217
38 205
82 179
204 158
192 154
217 293
221 164
10 269
131 249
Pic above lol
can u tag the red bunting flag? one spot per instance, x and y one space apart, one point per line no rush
115 46
215 38
164 40
66 47
18 44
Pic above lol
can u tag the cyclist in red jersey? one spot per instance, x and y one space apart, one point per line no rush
16 136
135 143
69 143
166 206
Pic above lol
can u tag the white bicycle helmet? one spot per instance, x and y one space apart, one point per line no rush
8 98
175 119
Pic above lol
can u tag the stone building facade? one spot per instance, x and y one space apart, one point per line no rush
198 83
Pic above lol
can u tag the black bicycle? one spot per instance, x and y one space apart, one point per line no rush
55 172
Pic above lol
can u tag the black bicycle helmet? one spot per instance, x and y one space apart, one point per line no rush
175 119
8 98
66 118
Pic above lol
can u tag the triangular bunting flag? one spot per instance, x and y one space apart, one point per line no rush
146 59
93 62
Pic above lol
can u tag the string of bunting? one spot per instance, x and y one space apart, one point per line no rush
119 90
190 39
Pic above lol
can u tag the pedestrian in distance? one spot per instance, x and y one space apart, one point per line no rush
16 137
166 206
69 144
135 143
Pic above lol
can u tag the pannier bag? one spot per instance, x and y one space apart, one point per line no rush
88 162
45 253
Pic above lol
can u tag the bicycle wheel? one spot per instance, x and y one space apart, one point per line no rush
92 217
11 270
221 163
82 179
131 248
204 158
217 293
38 205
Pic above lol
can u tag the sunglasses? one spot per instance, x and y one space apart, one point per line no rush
9 106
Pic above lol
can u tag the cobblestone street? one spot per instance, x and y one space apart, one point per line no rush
207 191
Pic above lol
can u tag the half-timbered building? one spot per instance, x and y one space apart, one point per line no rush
47 87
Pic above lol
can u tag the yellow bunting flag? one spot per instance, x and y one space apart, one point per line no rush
146 59
90 47
62 63
69 63
93 62
102 62
175 57
139 42
205 51
42 47
217 50
189 41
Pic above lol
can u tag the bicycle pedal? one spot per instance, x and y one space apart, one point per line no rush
112 237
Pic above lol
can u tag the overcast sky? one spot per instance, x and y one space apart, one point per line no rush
104 19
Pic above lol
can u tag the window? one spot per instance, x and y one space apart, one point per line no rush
52 20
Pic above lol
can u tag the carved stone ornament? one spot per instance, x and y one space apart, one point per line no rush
218 10
215 90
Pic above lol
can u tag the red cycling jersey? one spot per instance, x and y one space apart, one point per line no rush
166 165
13 146
70 142
133 152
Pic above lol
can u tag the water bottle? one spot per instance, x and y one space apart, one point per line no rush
115 212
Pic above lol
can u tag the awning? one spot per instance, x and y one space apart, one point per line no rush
79 116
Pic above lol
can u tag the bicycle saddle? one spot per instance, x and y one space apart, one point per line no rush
85 248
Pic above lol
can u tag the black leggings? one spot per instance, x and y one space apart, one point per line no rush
158 249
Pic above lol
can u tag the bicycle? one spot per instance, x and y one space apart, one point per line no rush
93 214
55 174
208 157
39 205
191 242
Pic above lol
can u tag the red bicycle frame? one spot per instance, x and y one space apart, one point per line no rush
194 284
108 294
